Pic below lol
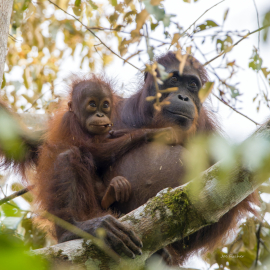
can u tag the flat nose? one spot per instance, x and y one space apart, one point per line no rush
183 98
99 114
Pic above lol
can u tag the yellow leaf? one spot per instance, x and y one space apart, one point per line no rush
205 91
141 18
150 98
176 37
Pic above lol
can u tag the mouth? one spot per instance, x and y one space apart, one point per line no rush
105 126
180 114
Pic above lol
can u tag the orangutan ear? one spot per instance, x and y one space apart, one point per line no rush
70 105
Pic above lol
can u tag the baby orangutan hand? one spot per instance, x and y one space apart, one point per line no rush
119 190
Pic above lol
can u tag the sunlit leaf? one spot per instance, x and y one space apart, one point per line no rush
225 15
150 98
114 2
11 211
176 37
206 25
255 61
93 5
26 4
153 26
205 91
4 81
77 3
15 255
266 22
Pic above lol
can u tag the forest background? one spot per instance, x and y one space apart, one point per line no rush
50 39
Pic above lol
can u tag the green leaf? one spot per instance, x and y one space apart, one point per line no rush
153 26
77 3
225 15
93 5
77 11
206 25
156 11
167 19
114 2
255 61
4 81
11 211
14 255
266 21
10 142
234 91
26 4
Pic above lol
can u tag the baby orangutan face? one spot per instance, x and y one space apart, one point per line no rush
93 107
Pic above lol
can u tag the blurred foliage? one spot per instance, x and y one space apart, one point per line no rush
43 37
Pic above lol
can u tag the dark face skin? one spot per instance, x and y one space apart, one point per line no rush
184 103
94 108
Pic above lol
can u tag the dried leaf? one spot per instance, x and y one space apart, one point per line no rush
176 37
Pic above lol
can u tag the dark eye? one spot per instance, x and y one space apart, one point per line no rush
106 104
192 84
173 79
92 103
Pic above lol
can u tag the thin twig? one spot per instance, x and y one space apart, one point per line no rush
13 38
94 35
201 16
229 48
258 244
125 32
35 101
223 101
16 194
257 14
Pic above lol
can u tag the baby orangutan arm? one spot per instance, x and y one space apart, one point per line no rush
118 190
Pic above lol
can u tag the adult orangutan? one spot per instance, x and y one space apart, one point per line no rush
77 148
150 169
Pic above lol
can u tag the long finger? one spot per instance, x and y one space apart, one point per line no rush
134 237
128 244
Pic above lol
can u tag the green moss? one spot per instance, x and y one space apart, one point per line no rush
175 207
132 219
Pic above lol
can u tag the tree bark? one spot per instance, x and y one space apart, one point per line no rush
171 215
5 14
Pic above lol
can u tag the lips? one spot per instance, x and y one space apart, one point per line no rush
180 114
106 125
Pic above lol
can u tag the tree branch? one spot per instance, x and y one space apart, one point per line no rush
16 194
5 14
